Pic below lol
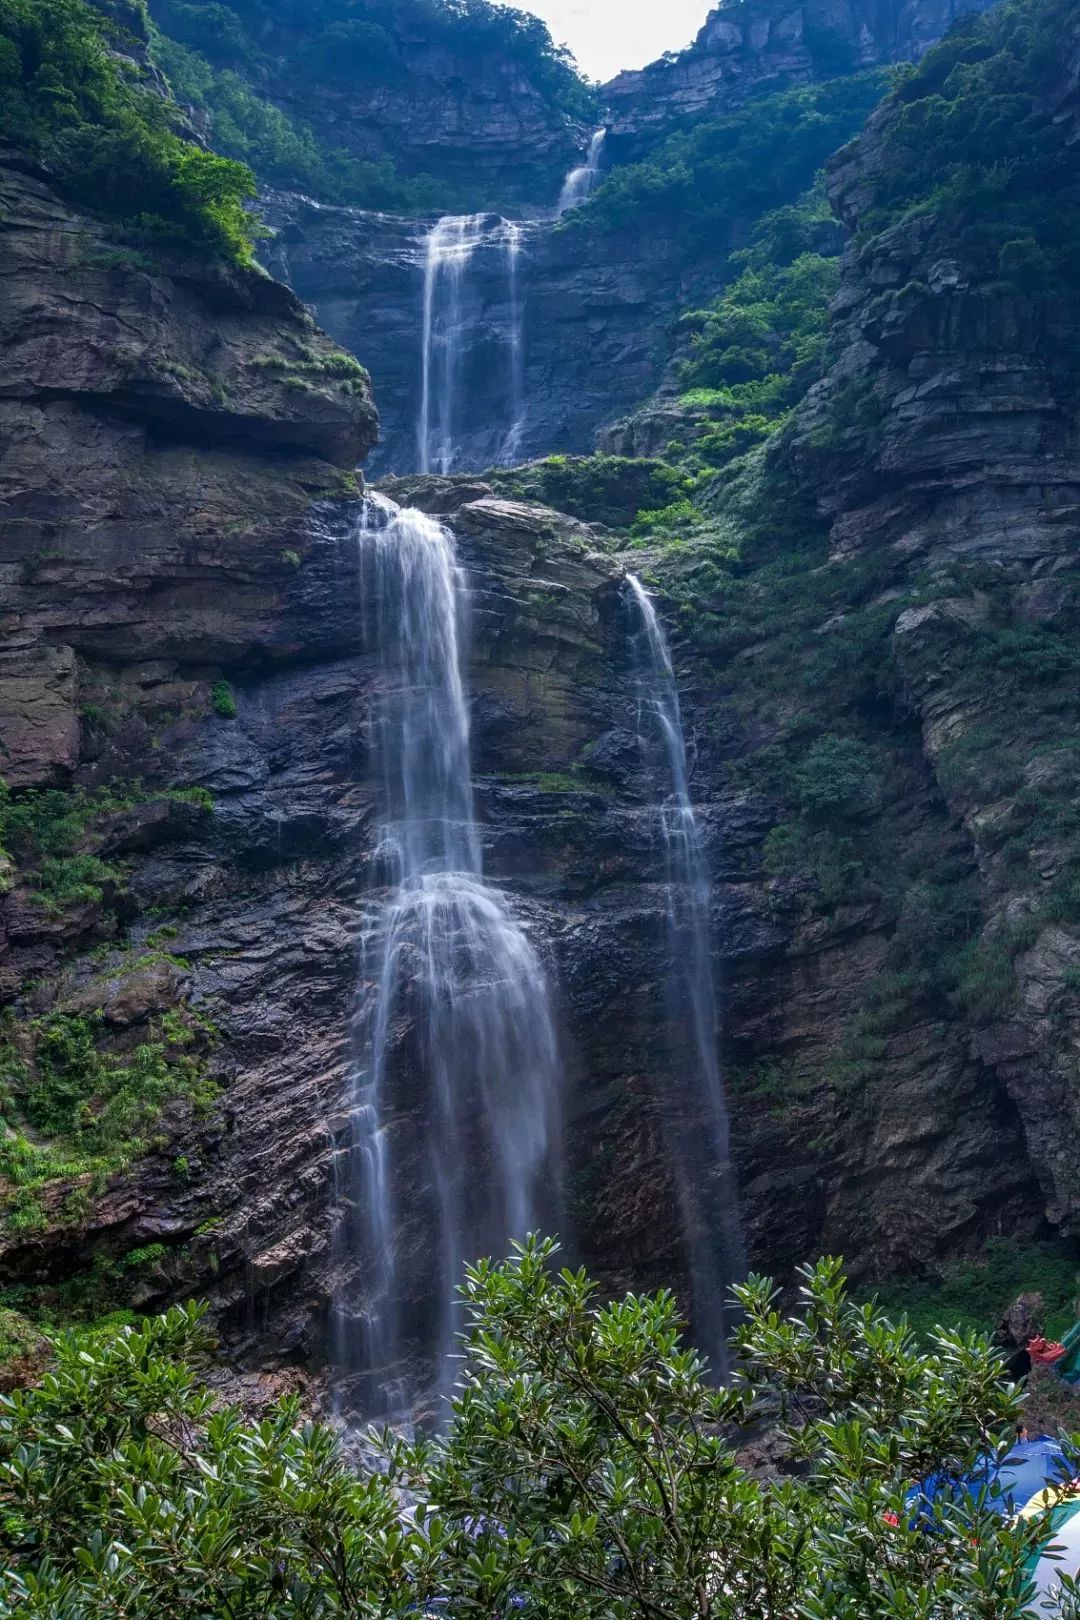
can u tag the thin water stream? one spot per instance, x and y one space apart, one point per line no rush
697 1118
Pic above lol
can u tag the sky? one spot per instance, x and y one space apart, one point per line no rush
608 35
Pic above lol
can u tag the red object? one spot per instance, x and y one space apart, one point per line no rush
891 1518
1042 1351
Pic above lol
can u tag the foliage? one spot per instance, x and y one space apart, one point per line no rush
93 1102
222 700
698 183
282 150
361 42
47 830
968 138
973 1294
241 62
587 1471
110 142
598 489
836 778
757 348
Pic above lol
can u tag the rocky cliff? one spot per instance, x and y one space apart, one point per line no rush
898 643
594 312
474 101
171 434
185 701
746 48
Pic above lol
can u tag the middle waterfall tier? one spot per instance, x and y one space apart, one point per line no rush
471 348
455 1079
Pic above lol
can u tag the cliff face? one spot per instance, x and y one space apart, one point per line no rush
170 433
746 48
186 663
901 661
962 475
479 107
593 313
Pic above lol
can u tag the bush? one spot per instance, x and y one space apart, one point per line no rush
698 183
587 1473
969 138
597 489
223 701
109 142
836 778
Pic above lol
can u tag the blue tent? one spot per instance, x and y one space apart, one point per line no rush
1009 1484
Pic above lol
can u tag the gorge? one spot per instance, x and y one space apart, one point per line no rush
647 809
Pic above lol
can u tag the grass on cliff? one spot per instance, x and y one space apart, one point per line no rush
46 837
971 1295
72 98
76 1106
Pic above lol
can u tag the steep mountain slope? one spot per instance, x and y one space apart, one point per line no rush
747 47
390 103
899 638
875 631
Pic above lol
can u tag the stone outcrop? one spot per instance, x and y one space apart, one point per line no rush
750 47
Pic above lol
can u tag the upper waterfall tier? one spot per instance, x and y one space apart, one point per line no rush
579 183
540 334
466 339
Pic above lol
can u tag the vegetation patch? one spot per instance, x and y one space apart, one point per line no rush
44 832
69 96
78 1105
611 490
972 1295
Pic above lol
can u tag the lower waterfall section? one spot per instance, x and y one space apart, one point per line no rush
455 1076
696 1115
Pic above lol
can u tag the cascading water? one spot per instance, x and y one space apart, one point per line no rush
454 1098
697 1115
455 327
580 182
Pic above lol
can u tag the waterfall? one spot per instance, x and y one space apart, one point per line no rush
455 328
455 1077
580 182
697 1118
512 444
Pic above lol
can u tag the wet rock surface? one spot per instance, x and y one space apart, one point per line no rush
596 310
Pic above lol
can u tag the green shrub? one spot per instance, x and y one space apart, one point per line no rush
836 777
697 183
46 831
972 1295
968 139
222 700
587 1471
109 142
94 1104
597 489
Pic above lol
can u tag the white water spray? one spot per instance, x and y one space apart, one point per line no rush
580 183
698 1116
454 1093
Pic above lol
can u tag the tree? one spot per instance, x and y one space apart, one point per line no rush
588 1470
